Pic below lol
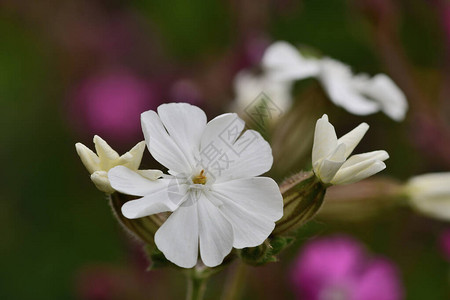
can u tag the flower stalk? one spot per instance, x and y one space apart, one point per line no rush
196 287
197 279
235 282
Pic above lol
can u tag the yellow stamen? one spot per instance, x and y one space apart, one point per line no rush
199 179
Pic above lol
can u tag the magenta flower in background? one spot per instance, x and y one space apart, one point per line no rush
338 268
444 243
444 10
96 284
250 52
186 90
109 104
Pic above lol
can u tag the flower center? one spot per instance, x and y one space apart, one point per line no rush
199 179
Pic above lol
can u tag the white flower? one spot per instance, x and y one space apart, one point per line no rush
430 194
106 158
283 62
248 87
360 94
329 155
216 200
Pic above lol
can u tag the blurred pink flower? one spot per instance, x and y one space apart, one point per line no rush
97 284
109 104
112 282
443 10
444 241
338 268
250 52
186 90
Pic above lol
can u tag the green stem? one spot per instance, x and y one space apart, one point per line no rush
235 282
196 285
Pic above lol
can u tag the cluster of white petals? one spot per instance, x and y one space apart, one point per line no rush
359 94
330 155
283 62
216 200
430 194
106 158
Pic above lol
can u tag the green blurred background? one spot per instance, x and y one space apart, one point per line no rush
58 235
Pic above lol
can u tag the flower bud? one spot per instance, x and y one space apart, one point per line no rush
303 196
430 194
98 164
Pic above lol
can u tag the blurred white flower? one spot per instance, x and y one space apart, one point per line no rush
360 94
282 61
106 158
249 87
430 194
329 155
216 200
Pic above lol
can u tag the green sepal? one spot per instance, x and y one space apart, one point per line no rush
157 258
143 229
303 196
279 243
266 252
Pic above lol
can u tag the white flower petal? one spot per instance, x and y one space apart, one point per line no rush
342 88
89 159
106 154
430 185
430 194
154 203
438 208
249 229
215 233
150 174
132 159
347 173
161 145
325 139
352 138
351 101
185 124
251 156
328 167
130 182
282 61
100 179
178 238
228 157
260 196
373 155
374 168
248 87
387 93
124 160
221 132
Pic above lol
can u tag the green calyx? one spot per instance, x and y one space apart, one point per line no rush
303 196
266 252
143 228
